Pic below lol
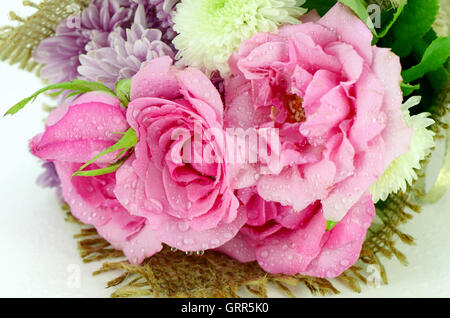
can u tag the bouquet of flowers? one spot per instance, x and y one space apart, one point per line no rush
226 143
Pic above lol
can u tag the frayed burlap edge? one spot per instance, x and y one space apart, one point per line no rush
18 43
173 273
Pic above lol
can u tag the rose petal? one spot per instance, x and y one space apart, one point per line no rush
155 80
368 168
352 63
172 230
318 33
90 97
343 246
239 249
350 29
291 252
397 135
370 119
311 56
84 131
196 86
113 222
290 188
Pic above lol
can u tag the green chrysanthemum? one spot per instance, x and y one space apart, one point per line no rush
211 30
402 169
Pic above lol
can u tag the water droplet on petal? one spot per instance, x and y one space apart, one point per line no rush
188 241
345 262
183 226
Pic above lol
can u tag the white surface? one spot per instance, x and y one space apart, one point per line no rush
38 254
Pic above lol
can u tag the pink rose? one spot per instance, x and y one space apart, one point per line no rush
336 101
76 133
286 242
190 204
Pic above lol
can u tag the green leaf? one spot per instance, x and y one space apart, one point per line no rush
85 86
331 225
76 85
430 36
359 7
412 24
123 91
392 20
99 172
321 6
433 58
128 141
438 78
56 94
407 89
73 94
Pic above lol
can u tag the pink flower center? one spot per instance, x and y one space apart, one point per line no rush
296 112
294 107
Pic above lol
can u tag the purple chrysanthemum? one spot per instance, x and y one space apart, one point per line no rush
90 30
127 51
161 12
59 54
50 179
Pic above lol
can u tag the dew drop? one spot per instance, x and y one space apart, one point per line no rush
183 226
188 241
200 253
215 242
345 262
154 204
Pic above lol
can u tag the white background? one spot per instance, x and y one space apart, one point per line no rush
39 257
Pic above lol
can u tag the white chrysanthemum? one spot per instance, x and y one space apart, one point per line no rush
211 30
402 169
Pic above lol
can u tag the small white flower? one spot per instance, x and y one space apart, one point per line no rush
402 169
211 30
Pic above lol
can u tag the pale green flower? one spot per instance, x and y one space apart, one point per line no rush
211 30
402 169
